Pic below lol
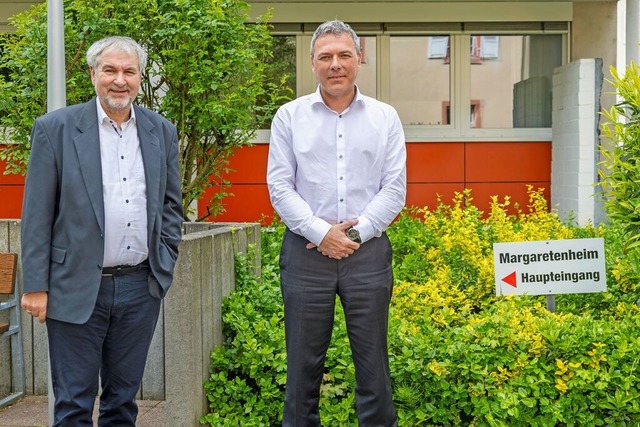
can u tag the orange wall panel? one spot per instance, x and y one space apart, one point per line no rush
11 201
517 193
249 203
435 162
249 165
426 195
508 161
11 189
487 168
443 168
9 179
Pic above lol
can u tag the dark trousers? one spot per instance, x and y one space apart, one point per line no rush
310 282
113 345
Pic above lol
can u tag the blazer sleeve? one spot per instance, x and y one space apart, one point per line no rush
172 214
38 210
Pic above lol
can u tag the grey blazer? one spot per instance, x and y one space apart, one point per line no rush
63 208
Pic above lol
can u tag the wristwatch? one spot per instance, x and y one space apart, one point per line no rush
354 235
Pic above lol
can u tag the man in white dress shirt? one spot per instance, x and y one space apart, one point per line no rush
101 225
337 178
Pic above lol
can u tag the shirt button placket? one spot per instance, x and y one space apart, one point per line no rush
341 169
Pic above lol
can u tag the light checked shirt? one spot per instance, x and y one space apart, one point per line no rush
124 192
326 167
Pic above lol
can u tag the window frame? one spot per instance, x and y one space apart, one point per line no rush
459 49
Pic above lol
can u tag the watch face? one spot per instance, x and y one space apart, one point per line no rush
353 234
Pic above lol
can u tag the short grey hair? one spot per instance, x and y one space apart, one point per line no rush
119 43
336 28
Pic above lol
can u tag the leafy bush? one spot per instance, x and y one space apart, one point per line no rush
249 372
459 354
620 173
208 72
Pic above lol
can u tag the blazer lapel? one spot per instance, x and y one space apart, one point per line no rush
87 144
149 145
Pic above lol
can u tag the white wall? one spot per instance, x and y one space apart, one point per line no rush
576 107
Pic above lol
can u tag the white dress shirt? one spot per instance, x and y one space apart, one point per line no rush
327 167
124 192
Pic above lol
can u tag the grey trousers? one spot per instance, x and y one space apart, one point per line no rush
310 282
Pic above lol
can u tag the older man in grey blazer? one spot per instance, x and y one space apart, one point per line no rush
101 225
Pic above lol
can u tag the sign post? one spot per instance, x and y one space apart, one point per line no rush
550 267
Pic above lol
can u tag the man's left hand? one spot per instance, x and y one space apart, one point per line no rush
335 243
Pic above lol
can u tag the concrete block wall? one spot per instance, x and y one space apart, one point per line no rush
189 327
9 242
576 107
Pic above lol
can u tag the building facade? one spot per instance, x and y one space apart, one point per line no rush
494 96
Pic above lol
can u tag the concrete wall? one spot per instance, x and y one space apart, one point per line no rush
9 378
189 327
576 106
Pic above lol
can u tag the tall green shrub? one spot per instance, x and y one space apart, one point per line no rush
208 73
620 171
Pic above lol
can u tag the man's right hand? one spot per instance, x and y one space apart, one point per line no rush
35 304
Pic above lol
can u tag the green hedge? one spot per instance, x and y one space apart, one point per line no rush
459 355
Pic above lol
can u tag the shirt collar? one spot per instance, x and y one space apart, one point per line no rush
316 98
102 116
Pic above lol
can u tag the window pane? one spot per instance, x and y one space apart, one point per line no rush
420 79
511 80
367 75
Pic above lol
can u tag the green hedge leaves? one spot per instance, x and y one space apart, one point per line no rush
460 356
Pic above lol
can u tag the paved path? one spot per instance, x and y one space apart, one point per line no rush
33 411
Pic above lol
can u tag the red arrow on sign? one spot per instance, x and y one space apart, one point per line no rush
510 279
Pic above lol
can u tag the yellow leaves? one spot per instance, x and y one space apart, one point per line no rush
502 375
616 273
435 301
597 355
561 385
537 223
437 368
564 373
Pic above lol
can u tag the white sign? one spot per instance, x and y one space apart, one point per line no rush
550 267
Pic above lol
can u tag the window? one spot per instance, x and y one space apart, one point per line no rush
451 81
514 86
475 117
367 76
488 47
503 82
418 85
438 47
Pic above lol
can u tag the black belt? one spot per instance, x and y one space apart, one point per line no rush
119 270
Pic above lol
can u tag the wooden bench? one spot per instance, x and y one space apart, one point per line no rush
8 267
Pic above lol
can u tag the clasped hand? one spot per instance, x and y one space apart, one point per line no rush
336 244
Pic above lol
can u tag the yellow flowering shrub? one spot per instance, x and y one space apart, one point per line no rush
460 355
